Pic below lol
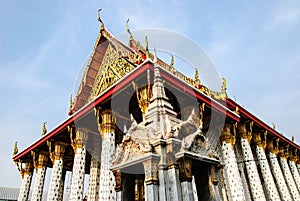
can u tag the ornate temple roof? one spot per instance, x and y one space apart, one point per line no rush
110 71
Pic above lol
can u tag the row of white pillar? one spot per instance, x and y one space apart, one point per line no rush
271 175
56 187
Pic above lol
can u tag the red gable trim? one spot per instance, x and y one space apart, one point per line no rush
82 112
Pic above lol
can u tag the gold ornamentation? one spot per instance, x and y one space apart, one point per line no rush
44 131
226 135
40 159
128 31
113 67
293 155
81 136
147 48
143 94
259 140
99 19
273 146
58 152
16 150
236 110
108 124
245 130
24 170
201 111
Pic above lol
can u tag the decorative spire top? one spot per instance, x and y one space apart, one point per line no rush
293 138
158 89
99 19
172 62
223 90
127 29
71 105
16 150
44 131
147 47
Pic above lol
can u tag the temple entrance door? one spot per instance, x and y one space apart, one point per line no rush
133 179
204 187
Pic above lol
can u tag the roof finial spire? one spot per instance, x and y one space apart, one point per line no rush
44 131
147 47
127 29
16 150
172 61
99 19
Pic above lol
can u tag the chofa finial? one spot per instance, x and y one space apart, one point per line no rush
147 47
16 150
44 131
99 18
127 29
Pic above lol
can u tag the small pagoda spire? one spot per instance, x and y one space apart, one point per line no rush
99 19
128 31
44 131
158 89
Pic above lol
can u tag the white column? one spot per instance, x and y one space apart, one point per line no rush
151 180
41 167
57 169
277 173
107 179
78 171
298 165
26 174
93 192
268 180
288 176
233 183
62 186
294 171
252 173
242 169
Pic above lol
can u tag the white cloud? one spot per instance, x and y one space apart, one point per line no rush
284 16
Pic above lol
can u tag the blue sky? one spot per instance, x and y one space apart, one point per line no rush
254 44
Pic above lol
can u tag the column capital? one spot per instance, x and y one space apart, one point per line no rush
40 159
27 169
227 136
108 123
59 150
273 146
283 152
260 140
244 130
293 156
151 171
81 136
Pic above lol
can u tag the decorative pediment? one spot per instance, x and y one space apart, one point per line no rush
135 144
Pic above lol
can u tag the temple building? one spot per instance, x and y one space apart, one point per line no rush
144 131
